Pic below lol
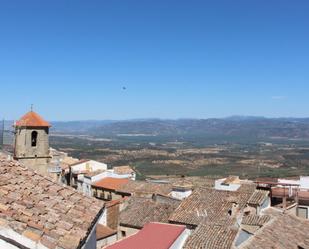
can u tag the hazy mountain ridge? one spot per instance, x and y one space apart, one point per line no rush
293 128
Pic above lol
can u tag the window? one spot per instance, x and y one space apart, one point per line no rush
109 196
34 136
123 233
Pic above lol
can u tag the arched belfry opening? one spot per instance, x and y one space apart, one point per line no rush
34 137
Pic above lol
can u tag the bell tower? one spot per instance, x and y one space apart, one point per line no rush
31 140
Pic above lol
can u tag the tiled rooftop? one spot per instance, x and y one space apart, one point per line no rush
183 184
210 236
140 211
42 210
247 187
231 179
142 187
258 197
195 181
255 220
32 119
284 231
123 170
213 205
111 183
252 223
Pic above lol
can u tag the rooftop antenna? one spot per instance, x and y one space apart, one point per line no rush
31 107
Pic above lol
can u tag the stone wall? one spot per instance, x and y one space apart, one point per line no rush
24 148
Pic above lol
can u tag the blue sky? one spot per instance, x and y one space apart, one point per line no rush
177 59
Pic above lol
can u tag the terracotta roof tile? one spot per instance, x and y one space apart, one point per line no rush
251 229
32 119
123 170
43 210
258 197
183 184
211 205
143 187
255 220
111 183
211 237
140 211
284 231
231 179
247 188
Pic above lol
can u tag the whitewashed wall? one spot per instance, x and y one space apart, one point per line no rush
180 241
304 182
93 165
11 234
229 187
180 195
4 244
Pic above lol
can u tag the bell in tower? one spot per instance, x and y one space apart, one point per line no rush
31 141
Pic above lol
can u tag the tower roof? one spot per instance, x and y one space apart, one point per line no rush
32 119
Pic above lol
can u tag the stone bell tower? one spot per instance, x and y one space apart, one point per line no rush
31 141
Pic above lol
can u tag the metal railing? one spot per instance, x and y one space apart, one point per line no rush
6 134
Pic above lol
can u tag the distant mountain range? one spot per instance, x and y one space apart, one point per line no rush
231 129
258 127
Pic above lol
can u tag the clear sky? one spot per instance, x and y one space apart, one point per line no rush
177 59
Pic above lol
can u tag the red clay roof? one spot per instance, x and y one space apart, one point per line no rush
111 183
32 119
152 236
31 209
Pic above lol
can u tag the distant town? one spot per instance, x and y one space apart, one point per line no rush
61 197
